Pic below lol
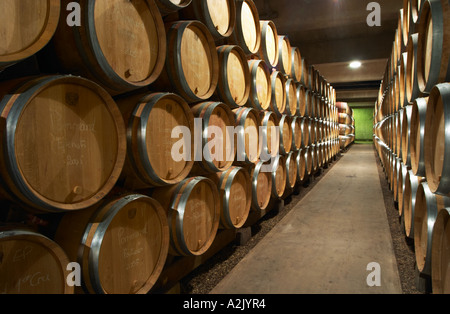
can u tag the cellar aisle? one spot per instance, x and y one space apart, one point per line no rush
325 244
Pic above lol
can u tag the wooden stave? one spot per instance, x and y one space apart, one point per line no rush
15 184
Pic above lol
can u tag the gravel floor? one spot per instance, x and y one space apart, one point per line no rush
208 275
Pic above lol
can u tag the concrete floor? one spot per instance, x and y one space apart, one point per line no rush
325 244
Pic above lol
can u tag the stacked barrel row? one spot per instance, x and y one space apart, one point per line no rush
117 153
346 124
411 133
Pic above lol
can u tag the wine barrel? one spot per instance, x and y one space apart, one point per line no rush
167 7
284 52
286 134
418 117
302 167
440 253
406 20
247 119
297 135
64 142
247 32
401 187
235 194
269 43
296 64
192 62
433 57
309 98
32 263
193 213
291 98
291 172
154 156
261 178
436 146
396 170
279 176
260 85
301 100
219 16
304 129
278 99
398 132
309 160
402 80
412 86
406 132
270 135
22 40
121 245
120 46
234 76
428 206
218 151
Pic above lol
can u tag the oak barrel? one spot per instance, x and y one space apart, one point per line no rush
270 135
286 134
278 99
440 253
121 245
296 64
302 100
21 40
159 150
235 194
260 85
418 117
247 32
217 149
64 142
31 263
247 129
436 137
291 98
406 135
234 76
433 45
269 43
412 85
120 44
285 55
192 63
291 171
297 134
193 213
219 16
427 208
261 178
302 167
309 160
278 176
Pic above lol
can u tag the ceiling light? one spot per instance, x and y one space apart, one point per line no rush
355 65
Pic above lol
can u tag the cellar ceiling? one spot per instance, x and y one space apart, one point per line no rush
332 33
